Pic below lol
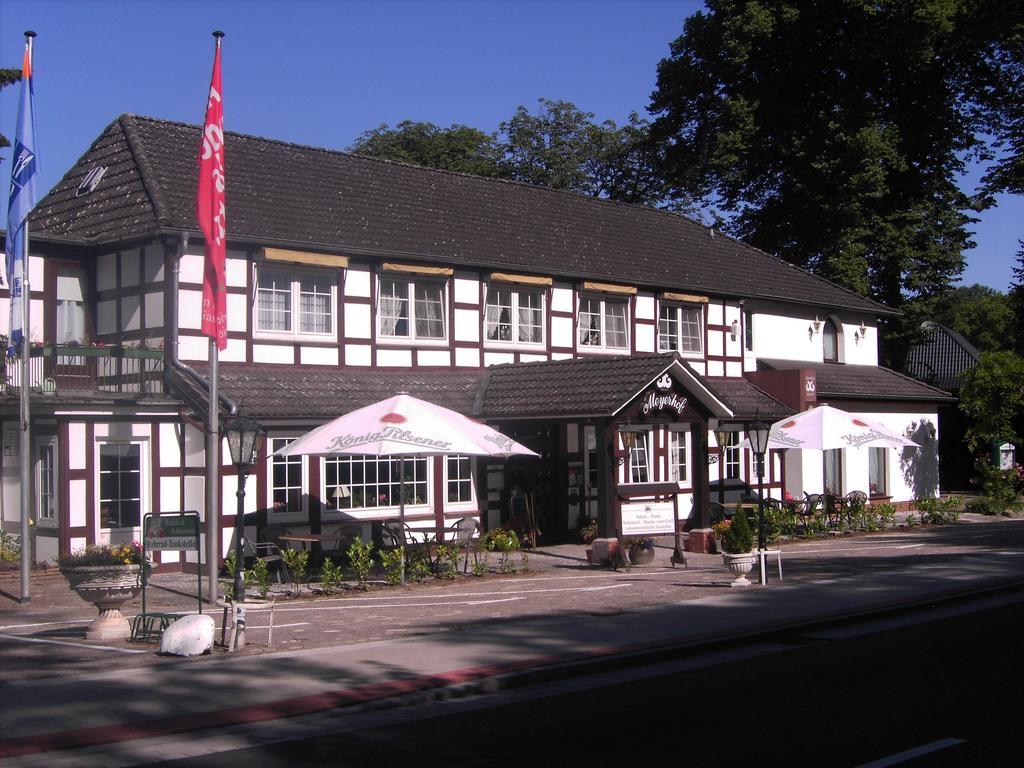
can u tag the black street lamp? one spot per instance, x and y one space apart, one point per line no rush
758 435
245 437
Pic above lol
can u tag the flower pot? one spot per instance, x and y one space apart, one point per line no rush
108 587
641 556
740 565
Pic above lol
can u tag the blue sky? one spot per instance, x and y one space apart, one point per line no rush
321 72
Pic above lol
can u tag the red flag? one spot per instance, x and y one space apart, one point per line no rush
211 212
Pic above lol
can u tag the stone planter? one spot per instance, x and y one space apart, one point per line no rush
108 587
641 556
740 565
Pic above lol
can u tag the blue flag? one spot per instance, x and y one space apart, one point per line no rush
24 168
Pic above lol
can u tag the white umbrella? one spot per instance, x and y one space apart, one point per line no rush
404 426
824 428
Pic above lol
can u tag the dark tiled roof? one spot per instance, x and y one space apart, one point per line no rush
282 193
288 392
863 382
748 401
564 388
941 357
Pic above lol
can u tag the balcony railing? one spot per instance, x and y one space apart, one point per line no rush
58 368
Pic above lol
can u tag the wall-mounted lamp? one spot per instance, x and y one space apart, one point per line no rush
734 329
860 333
814 328
628 440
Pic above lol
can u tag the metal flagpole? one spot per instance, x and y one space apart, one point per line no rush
213 485
26 439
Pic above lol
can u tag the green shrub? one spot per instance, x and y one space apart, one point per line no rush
447 561
504 541
738 539
419 570
391 560
1002 487
986 506
258 576
10 547
360 559
330 576
296 561
886 514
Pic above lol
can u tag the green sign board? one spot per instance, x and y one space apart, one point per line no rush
172 531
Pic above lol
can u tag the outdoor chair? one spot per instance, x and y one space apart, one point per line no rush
465 528
269 553
835 511
393 534
809 511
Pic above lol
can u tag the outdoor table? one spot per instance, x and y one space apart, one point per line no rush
305 539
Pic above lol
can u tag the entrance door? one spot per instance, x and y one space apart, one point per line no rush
46 479
590 487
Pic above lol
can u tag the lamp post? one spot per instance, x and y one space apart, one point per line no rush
758 435
245 437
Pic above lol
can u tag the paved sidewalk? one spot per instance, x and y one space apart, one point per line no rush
151 696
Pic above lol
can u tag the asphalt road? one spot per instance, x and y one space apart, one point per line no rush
934 688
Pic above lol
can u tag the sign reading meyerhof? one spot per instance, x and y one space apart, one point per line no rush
176 531
648 518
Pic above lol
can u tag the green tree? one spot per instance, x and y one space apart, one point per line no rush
1016 297
7 76
458 148
560 146
992 398
982 314
834 133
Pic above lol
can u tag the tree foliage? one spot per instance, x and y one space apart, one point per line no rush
1016 299
458 148
982 314
834 133
992 398
559 146
7 76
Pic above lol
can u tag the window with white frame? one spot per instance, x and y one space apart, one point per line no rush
285 478
369 482
732 455
411 309
514 316
878 459
46 468
680 329
832 468
678 450
120 485
603 322
460 481
639 456
70 306
295 302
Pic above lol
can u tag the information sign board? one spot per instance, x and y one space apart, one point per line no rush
648 518
172 531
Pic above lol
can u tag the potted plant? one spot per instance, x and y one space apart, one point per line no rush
737 543
641 550
719 530
107 576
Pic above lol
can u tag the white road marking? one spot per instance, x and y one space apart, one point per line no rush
41 624
791 552
69 643
441 600
912 754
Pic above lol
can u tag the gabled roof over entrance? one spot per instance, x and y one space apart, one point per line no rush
335 202
597 387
